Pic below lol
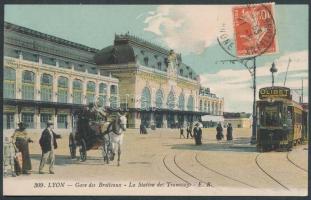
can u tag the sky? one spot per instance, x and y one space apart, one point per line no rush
191 30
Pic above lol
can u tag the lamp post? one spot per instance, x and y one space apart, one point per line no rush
273 70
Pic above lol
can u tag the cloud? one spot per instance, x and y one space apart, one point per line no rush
236 85
191 28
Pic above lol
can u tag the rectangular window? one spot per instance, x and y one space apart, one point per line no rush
62 121
8 121
28 92
44 118
28 119
77 97
62 95
90 98
9 89
46 93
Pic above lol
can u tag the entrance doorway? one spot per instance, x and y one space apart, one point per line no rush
159 120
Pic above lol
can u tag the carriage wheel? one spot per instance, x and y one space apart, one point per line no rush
83 150
72 147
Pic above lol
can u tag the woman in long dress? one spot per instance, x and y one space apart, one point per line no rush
21 140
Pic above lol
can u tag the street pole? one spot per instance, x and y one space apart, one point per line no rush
254 127
301 90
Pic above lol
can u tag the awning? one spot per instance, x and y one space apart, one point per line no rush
214 118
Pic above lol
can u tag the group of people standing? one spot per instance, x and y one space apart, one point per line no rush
197 132
220 135
20 142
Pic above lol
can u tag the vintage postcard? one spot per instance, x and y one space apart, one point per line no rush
165 100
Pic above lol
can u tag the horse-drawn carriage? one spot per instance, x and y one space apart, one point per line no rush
93 132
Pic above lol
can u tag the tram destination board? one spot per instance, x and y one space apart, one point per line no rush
281 92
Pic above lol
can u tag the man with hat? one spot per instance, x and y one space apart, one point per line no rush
21 139
48 144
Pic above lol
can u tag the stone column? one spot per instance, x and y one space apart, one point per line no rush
18 83
55 119
164 120
37 95
84 82
37 122
70 94
108 94
54 88
96 91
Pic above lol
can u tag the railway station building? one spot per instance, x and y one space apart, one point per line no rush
48 78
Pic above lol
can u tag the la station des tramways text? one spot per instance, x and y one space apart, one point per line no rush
49 78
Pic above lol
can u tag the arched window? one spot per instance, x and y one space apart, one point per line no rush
9 83
171 100
102 94
90 92
213 108
205 106
181 102
46 86
209 107
145 99
62 89
113 96
77 91
190 103
28 85
159 99
201 105
216 108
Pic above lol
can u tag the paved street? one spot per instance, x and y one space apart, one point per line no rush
161 156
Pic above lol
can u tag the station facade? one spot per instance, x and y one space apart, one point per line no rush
48 78
156 87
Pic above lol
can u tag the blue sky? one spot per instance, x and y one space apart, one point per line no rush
190 30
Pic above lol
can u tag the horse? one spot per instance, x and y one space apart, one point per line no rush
113 138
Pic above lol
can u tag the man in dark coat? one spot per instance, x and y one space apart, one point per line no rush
48 144
197 133
229 132
219 130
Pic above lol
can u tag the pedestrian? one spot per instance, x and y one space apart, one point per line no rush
141 129
197 133
189 130
48 144
229 132
182 131
8 157
219 130
21 140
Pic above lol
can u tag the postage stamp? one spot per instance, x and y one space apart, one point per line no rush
255 29
152 100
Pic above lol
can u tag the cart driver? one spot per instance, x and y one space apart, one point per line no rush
94 114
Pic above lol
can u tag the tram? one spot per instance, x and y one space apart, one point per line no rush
282 122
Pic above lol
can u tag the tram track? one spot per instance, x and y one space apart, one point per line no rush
221 174
268 174
295 164
186 172
172 172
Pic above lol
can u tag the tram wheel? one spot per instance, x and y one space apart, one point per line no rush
83 151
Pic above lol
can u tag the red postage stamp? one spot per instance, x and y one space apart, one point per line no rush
254 28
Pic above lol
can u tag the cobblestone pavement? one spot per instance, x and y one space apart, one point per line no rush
162 156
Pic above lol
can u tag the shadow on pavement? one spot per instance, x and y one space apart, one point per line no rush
66 160
238 145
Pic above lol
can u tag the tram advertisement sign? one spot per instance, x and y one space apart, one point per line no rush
254 28
281 92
